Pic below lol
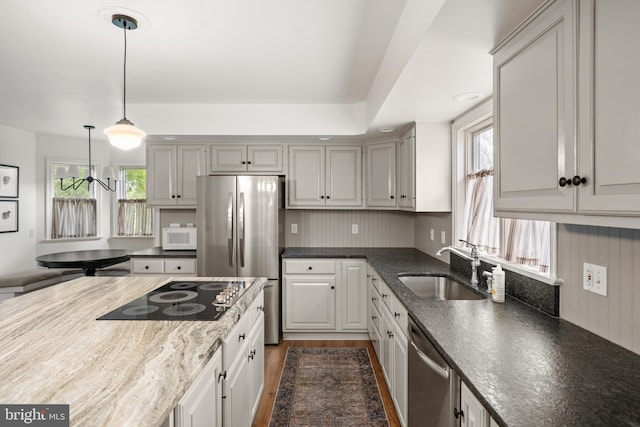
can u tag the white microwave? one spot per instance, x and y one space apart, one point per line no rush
179 238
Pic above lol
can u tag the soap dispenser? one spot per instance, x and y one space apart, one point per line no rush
497 293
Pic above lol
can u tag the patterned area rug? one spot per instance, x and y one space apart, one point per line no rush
328 387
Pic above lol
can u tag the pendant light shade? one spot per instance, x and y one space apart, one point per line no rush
124 134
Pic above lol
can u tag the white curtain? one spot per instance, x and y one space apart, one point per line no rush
515 240
73 217
134 218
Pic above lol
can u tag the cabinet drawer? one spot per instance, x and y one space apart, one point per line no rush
147 265
400 315
256 308
375 316
309 266
186 266
236 339
386 295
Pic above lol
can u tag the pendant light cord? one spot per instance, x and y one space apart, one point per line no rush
124 86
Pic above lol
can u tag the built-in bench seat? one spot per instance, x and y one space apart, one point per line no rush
15 284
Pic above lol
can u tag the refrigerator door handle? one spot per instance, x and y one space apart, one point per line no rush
230 247
241 227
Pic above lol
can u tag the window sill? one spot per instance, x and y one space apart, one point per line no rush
71 239
131 237
516 268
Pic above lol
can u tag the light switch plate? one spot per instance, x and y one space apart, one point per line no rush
443 240
294 228
594 278
432 235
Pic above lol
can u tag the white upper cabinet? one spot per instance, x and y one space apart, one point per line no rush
322 176
534 80
609 120
563 154
424 168
245 158
171 174
381 174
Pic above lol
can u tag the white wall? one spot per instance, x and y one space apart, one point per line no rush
17 148
439 222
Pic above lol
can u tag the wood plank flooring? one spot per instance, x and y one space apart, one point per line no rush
274 362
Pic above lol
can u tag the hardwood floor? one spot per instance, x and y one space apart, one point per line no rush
274 361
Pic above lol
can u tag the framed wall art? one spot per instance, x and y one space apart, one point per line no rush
9 176
8 216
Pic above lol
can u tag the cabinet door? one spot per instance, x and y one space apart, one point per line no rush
310 302
386 348
190 165
474 413
264 158
201 404
407 170
400 373
534 82
256 365
344 176
228 158
306 176
381 174
236 395
609 119
161 175
353 285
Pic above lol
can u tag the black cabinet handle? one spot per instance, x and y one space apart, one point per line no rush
322 197
241 337
178 196
243 162
562 182
173 196
333 287
146 267
396 314
222 376
328 197
391 196
249 162
577 180
309 268
457 413
179 268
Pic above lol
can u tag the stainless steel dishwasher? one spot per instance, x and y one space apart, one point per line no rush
434 388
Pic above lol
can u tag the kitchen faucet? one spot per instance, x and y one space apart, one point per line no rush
474 258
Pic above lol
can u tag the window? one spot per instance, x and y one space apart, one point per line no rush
133 218
73 210
520 242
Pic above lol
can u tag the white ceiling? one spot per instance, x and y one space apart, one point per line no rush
285 67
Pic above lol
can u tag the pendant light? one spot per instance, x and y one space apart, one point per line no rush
124 134
73 173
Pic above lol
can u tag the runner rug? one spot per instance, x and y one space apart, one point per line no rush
328 387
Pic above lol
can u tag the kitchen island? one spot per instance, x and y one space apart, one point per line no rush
526 367
110 372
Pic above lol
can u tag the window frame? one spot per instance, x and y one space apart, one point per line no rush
462 129
49 194
114 204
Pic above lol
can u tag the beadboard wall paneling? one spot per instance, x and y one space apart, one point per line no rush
439 222
615 317
328 228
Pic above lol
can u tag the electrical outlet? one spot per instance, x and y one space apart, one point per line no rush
443 239
354 228
294 228
595 279
432 234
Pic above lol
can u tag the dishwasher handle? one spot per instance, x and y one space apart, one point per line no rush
443 371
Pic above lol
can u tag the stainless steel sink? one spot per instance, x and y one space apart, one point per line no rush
438 287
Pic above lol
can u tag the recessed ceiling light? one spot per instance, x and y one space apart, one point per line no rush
169 138
466 97
324 138
386 130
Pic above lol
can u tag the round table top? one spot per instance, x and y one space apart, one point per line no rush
90 259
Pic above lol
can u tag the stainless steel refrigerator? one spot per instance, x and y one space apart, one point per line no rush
240 220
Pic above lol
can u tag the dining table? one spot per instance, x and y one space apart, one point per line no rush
89 260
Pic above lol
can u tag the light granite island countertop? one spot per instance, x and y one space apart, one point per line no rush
110 372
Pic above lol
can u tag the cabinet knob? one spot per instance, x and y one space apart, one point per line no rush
241 337
178 196
458 413
384 296
333 287
562 182
222 376
243 162
374 317
249 162
309 268
396 314
391 197
328 197
179 267
373 299
577 180
322 197
260 308
146 267
173 196
389 334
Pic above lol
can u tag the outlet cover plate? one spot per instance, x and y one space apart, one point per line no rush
594 278
354 228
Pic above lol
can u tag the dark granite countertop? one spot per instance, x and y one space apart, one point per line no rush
158 252
526 367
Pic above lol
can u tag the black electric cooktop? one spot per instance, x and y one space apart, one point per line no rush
182 300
